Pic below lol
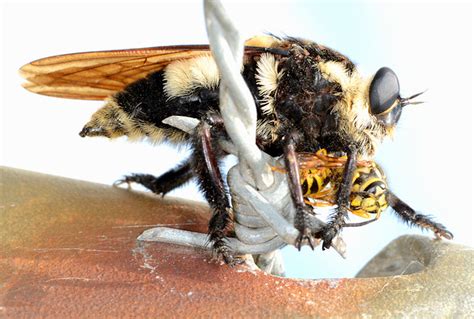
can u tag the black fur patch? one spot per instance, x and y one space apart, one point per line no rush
146 101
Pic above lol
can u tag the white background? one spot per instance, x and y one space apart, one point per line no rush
429 45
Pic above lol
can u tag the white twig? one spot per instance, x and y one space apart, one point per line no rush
199 240
236 102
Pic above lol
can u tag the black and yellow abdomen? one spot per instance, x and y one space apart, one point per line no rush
314 180
368 192
321 175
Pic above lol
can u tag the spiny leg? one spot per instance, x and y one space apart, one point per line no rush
164 183
410 216
302 210
205 166
337 220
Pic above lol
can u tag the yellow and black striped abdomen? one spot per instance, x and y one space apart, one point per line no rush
368 193
313 181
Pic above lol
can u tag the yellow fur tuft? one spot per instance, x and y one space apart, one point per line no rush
182 77
267 80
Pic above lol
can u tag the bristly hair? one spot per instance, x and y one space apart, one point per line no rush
353 107
408 100
267 78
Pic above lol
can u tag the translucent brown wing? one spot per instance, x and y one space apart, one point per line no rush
97 75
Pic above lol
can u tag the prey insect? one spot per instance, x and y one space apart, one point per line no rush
370 195
321 175
308 97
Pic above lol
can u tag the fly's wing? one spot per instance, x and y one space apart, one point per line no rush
97 75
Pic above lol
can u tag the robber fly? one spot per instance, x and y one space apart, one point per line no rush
308 97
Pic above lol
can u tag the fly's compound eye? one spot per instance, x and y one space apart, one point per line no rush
384 91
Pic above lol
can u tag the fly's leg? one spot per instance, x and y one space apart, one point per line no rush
337 220
410 216
301 221
162 184
205 157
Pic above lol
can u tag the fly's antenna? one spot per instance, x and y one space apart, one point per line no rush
408 100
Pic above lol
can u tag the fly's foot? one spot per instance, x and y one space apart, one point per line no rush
301 224
154 184
122 181
223 252
305 235
444 233
327 235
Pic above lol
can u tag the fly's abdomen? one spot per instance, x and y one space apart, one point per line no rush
185 88
138 111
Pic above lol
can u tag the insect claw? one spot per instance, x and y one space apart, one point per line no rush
444 234
328 234
120 182
311 242
305 235
223 253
